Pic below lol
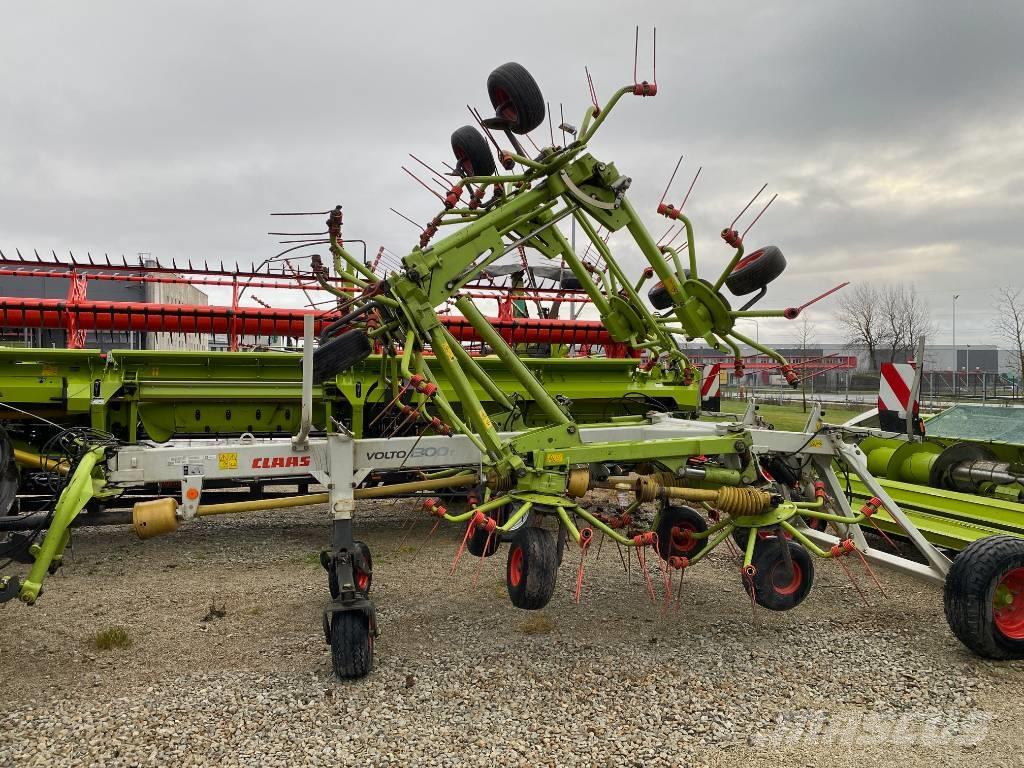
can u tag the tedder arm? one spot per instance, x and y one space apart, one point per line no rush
523 208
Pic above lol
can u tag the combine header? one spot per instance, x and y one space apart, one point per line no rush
710 484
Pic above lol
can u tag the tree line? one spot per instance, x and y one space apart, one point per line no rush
887 322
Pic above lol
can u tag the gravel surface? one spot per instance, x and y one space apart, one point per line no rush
462 678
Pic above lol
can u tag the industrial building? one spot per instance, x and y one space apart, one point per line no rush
98 286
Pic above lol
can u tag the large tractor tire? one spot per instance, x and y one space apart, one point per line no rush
984 597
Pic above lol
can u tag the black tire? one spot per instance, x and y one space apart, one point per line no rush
775 587
351 644
673 522
986 571
472 152
659 296
739 535
754 271
362 570
532 568
480 537
340 354
516 97
10 480
816 523
570 282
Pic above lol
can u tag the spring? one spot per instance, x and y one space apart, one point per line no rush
739 502
500 483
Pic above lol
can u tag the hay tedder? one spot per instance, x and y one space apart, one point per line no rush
769 495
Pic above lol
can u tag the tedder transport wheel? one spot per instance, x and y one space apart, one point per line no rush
351 644
675 524
739 535
532 568
340 354
816 524
480 537
984 597
362 570
756 270
516 97
776 586
472 152
570 282
658 294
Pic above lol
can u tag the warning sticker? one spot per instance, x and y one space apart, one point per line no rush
227 460
485 419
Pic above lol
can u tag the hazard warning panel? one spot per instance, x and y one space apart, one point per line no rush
710 387
895 385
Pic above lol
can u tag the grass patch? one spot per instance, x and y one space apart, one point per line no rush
791 417
111 638
537 625
313 558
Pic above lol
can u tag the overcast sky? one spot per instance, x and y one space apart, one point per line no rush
893 132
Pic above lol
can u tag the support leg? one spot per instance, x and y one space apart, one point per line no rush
350 620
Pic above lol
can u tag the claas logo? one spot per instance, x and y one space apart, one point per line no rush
279 462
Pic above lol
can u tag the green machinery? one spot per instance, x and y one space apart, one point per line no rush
960 483
705 479
160 395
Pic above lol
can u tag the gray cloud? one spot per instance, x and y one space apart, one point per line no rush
893 132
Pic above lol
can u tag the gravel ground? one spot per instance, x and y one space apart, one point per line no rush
462 678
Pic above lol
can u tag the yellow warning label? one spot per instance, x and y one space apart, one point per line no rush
485 419
50 370
227 460
815 443
447 350
555 458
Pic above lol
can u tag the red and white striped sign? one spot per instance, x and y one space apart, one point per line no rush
710 381
894 388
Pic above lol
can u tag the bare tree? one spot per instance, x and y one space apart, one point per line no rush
804 336
906 319
1009 324
861 316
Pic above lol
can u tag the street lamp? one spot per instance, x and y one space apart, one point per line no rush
956 361
757 327
757 338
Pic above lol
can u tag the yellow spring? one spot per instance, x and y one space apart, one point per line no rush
740 502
